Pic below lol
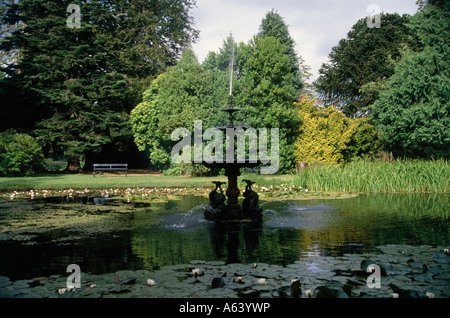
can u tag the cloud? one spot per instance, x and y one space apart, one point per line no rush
316 26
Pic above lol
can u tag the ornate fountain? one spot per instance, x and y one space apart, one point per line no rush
231 211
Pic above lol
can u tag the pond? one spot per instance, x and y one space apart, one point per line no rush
41 237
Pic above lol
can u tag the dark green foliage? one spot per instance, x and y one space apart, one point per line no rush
263 90
270 93
20 154
175 99
79 84
361 63
273 25
413 112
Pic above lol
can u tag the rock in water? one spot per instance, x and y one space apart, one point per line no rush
296 290
217 282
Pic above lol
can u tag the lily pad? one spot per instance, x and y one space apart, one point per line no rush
440 257
215 263
197 262
367 262
249 293
422 277
4 281
327 292
264 287
129 281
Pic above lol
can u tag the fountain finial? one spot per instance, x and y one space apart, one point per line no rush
230 110
231 72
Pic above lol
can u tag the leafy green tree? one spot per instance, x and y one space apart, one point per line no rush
412 113
218 66
269 93
81 83
273 25
263 90
362 63
20 154
175 99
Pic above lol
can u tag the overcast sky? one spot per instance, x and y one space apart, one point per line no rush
316 25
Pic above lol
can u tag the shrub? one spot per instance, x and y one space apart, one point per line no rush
328 136
20 154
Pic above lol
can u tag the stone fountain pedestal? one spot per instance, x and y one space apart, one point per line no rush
231 211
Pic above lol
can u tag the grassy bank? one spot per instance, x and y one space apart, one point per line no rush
81 181
355 177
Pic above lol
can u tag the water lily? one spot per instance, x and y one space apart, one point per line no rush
62 291
150 282
430 295
394 295
262 281
309 293
239 279
195 272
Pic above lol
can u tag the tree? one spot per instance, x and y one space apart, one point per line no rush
273 25
412 113
20 154
218 65
263 90
362 63
328 136
82 82
175 99
269 93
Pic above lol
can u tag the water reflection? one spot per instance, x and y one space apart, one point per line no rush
293 229
176 232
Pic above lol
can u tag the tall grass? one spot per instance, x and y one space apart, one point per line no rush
368 177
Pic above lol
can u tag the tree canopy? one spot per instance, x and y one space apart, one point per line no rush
361 64
77 85
263 90
274 25
413 111
124 76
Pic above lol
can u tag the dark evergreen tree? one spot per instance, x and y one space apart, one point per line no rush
413 112
80 83
273 25
362 63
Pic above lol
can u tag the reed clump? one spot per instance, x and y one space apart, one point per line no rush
377 176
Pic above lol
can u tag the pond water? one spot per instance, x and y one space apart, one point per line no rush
108 235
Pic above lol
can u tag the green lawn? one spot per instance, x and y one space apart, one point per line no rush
81 181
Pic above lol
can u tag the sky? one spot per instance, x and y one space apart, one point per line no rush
315 25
